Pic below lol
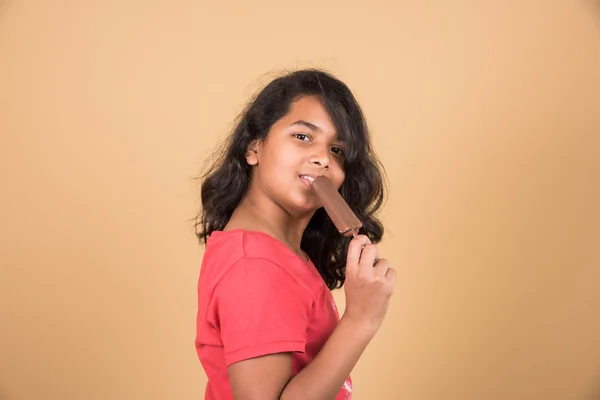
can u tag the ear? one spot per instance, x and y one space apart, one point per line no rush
252 153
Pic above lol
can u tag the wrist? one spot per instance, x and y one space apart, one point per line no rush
363 328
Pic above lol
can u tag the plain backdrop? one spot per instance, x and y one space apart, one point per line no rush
485 114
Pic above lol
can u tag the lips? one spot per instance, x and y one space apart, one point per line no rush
308 178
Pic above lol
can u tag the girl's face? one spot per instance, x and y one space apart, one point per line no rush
301 145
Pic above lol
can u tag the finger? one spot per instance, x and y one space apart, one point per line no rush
381 267
391 276
355 249
368 256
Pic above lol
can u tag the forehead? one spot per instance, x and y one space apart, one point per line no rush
311 110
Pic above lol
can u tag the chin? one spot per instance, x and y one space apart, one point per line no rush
303 206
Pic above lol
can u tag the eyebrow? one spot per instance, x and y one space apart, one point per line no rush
307 124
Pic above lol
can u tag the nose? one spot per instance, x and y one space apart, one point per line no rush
320 158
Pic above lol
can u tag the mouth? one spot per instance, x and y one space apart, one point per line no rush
307 179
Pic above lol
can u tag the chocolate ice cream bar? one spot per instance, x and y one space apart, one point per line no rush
336 207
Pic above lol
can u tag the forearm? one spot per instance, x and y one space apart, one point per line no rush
325 375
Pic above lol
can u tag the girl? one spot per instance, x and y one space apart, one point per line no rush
267 325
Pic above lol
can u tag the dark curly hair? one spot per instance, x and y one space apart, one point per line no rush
228 177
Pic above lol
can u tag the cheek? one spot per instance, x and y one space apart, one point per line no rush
277 166
273 159
337 177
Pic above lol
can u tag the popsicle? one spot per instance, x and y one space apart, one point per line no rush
336 207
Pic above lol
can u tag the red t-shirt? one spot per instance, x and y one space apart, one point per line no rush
257 297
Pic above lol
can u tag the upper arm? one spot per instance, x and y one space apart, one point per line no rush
262 316
261 378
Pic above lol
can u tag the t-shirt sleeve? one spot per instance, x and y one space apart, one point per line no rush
259 309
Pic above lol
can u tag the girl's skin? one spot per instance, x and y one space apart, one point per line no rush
280 203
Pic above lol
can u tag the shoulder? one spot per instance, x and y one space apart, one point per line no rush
253 273
239 244
253 255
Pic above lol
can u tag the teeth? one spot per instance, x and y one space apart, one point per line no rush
308 178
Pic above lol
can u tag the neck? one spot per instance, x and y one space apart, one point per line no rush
259 213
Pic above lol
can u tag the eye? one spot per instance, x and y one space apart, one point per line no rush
301 136
338 151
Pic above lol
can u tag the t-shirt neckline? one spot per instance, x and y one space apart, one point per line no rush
252 232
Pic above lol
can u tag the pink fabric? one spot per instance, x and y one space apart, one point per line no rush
257 297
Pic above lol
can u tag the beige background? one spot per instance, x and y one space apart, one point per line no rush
485 114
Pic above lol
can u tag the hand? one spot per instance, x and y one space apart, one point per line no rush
369 284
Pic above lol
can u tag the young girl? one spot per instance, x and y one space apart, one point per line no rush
267 325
